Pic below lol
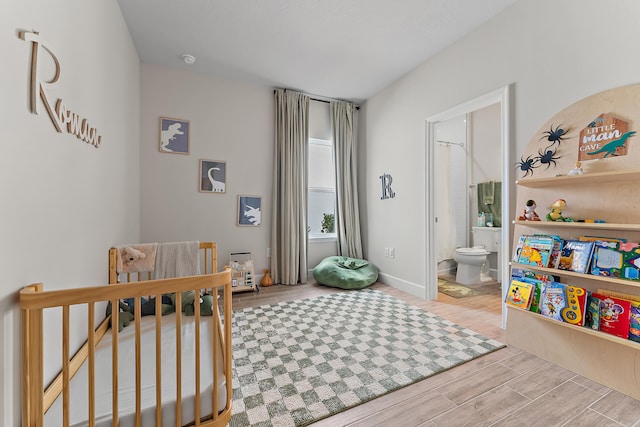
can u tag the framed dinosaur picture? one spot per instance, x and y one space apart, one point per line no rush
249 210
212 176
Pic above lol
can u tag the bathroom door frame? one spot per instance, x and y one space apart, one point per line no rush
500 96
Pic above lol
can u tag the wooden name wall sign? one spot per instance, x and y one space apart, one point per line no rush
603 137
60 115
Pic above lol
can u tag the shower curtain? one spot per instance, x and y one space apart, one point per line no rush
445 226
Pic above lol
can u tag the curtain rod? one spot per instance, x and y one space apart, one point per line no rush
323 100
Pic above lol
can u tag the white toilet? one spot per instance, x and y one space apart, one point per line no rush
471 260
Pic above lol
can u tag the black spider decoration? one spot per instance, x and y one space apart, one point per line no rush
547 157
527 165
554 135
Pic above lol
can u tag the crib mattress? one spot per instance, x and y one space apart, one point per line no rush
78 392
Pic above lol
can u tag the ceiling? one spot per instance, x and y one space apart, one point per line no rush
345 49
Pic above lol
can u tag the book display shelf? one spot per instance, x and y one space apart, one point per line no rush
604 358
606 191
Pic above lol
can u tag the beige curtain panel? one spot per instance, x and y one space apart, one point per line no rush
346 155
289 217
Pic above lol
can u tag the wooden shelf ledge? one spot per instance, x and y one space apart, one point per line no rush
587 178
558 272
581 329
580 225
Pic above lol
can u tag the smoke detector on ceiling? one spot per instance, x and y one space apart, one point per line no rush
188 59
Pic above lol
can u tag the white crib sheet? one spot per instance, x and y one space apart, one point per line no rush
79 394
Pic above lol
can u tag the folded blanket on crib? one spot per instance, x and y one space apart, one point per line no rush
136 258
177 259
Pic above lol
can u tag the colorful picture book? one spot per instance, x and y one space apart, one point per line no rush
521 274
592 317
566 303
535 278
615 316
630 260
553 300
634 321
607 261
536 250
576 256
535 298
634 313
519 294
554 259
616 259
575 312
518 248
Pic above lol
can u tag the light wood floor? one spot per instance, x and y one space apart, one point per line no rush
505 388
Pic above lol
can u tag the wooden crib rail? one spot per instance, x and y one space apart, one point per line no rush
33 300
209 258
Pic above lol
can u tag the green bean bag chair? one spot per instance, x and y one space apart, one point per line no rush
345 273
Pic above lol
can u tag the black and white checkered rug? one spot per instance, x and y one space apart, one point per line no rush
297 362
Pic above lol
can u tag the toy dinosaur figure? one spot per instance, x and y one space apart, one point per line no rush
611 147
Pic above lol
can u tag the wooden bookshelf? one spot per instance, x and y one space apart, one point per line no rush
607 190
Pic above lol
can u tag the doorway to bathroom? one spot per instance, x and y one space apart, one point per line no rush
468 157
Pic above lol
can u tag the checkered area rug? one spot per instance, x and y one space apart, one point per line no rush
297 362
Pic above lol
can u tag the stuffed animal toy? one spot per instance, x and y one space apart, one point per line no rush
131 255
556 211
529 213
124 315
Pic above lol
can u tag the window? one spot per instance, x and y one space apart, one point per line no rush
321 209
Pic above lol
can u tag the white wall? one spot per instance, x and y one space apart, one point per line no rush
484 126
64 202
229 121
556 52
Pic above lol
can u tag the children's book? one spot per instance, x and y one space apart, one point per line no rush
520 274
554 259
536 250
576 256
634 314
553 300
518 248
537 279
575 312
601 239
621 295
615 317
519 294
607 261
535 298
630 260
634 322
592 316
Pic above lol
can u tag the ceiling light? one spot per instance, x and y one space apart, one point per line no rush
188 59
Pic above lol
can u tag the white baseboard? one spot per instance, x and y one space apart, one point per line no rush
415 289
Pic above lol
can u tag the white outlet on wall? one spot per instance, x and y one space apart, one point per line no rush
392 252
268 252
386 251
